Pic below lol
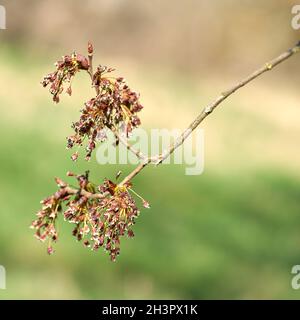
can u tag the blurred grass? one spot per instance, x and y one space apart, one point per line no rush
231 233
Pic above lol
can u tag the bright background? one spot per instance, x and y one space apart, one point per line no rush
232 232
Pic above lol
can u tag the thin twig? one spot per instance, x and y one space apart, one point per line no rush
125 142
210 108
90 69
85 193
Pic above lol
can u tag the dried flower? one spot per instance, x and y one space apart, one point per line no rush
102 214
115 107
65 71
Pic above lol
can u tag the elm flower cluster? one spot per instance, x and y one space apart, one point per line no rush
115 107
64 73
101 214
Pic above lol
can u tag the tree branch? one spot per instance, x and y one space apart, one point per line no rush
209 109
85 193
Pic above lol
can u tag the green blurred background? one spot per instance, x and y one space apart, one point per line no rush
232 232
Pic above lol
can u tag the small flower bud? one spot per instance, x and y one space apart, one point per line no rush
50 250
69 91
82 61
74 156
60 183
146 204
90 49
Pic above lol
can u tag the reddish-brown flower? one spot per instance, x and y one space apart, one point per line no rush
65 71
101 214
115 107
